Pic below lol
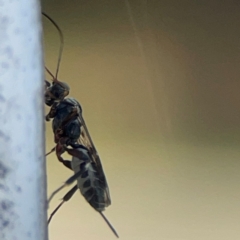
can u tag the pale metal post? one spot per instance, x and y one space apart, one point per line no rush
22 163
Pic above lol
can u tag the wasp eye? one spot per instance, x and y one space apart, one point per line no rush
47 83
49 101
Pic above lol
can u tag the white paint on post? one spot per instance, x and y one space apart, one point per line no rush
22 165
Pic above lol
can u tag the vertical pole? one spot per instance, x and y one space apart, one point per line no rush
22 165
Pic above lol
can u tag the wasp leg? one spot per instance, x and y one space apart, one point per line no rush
51 151
52 112
78 153
66 198
58 136
67 164
68 182
77 145
60 149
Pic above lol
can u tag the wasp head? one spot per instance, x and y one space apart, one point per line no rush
55 92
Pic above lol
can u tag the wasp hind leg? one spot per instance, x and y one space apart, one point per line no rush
59 151
66 198
81 152
69 181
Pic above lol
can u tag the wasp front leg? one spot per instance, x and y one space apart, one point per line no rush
52 113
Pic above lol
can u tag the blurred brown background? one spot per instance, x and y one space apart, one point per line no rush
159 85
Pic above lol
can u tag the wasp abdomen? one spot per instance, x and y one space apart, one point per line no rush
89 184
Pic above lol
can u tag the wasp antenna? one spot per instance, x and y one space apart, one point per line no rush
109 224
61 43
49 72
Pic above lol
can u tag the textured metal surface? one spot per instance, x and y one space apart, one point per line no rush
22 165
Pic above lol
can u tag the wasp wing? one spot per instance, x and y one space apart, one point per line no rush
86 140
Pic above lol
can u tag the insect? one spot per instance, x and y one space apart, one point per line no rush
71 135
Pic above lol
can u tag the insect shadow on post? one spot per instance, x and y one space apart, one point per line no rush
72 136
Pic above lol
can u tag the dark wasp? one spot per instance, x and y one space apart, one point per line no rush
71 135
